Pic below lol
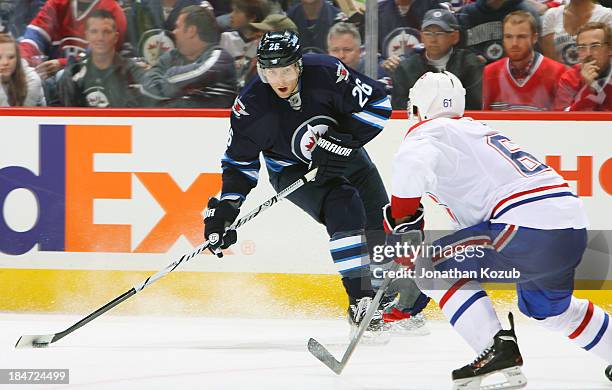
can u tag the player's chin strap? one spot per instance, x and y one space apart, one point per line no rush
295 100
45 340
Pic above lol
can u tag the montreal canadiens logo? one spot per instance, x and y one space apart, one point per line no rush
305 137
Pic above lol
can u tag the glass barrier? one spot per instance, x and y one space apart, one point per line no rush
523 56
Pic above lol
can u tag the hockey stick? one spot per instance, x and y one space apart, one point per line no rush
40 341
321 353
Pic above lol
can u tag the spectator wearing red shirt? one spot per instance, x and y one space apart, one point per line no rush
525 80
587 86
57 33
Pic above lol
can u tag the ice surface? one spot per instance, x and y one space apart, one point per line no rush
118 352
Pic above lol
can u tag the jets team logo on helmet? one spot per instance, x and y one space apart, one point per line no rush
305 137
278 49
437 95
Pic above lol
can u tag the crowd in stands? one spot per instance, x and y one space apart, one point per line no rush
528 55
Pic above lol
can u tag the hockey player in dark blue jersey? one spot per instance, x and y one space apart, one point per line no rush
304 110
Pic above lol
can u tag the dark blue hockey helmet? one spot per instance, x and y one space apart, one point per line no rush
278 49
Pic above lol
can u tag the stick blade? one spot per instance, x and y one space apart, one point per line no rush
321 353
34 341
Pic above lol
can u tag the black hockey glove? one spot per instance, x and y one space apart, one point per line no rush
217 217
333 153
409 233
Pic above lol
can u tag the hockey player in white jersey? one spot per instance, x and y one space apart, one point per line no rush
520 218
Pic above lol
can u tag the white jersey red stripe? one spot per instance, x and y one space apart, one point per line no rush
479 174
449 251
585 321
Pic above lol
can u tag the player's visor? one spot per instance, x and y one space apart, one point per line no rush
283 74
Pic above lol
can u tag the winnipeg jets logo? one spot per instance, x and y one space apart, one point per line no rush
305 137
400 41
494 51
238 108
342 73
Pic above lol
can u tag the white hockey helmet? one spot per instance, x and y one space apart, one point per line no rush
437 95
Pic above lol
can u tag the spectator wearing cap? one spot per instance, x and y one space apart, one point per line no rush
103 78
198 73
587 86
525 80
398 26
481 23
313 18
246 66
274 22
440 33
242 41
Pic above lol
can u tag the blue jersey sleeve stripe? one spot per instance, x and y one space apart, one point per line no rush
384 118
383 104
369 120
232 196
285 163
229 160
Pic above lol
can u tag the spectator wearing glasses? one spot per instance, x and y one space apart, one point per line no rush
560 26
587 86
103 78
20 85
440 34
525 80
198 73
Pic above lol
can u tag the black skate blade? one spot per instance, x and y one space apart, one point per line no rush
321 353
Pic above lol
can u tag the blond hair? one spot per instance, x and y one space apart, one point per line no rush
518 17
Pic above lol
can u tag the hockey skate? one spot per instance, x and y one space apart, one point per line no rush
402 323
502 357
376 332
